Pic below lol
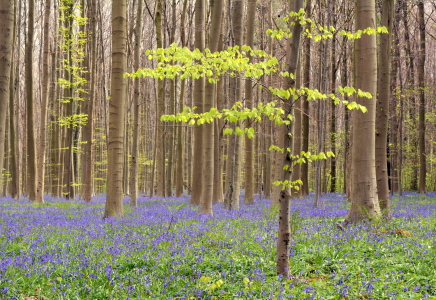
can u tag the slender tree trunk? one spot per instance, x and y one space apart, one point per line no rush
364 201
13 128
249 142
114 201
333 106
136 108
296 146
235 145
382 114
208 128
6 50
305 108
344 82
323 63
410 82
199 92
394 122
31 145
421 82
44 105
181 129
284 232
88 130
160 141
218 193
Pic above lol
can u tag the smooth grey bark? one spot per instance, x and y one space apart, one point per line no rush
6 46
249 142
31 144
199 86
382 108
88 130
13 129
116 147
135 139
44 105
364 200
208 128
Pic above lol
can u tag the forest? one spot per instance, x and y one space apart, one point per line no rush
212 149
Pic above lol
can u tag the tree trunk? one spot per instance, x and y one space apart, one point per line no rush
284 232
208 128
249 142
13 129
421 82
160 141
297 134
333 13
88 130
44 105
364 201
6 49
31 145
323 63
136 108
114 201
305 108
218 192
181 129
382 114
199 86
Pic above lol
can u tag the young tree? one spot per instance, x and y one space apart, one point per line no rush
284 232
364 200
6 40
114 201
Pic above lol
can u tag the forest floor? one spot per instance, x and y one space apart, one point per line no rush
165 250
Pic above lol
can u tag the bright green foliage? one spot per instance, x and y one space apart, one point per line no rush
73 121
72 45
233 61
181 62
318 32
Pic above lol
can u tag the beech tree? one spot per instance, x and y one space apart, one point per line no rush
44 105
116 147
6 39
382 114
31 144
364 200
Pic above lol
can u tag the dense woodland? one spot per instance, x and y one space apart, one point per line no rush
318 110
72 125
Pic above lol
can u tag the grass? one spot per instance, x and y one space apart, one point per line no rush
165 250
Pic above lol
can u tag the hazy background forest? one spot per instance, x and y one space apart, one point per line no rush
200 124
